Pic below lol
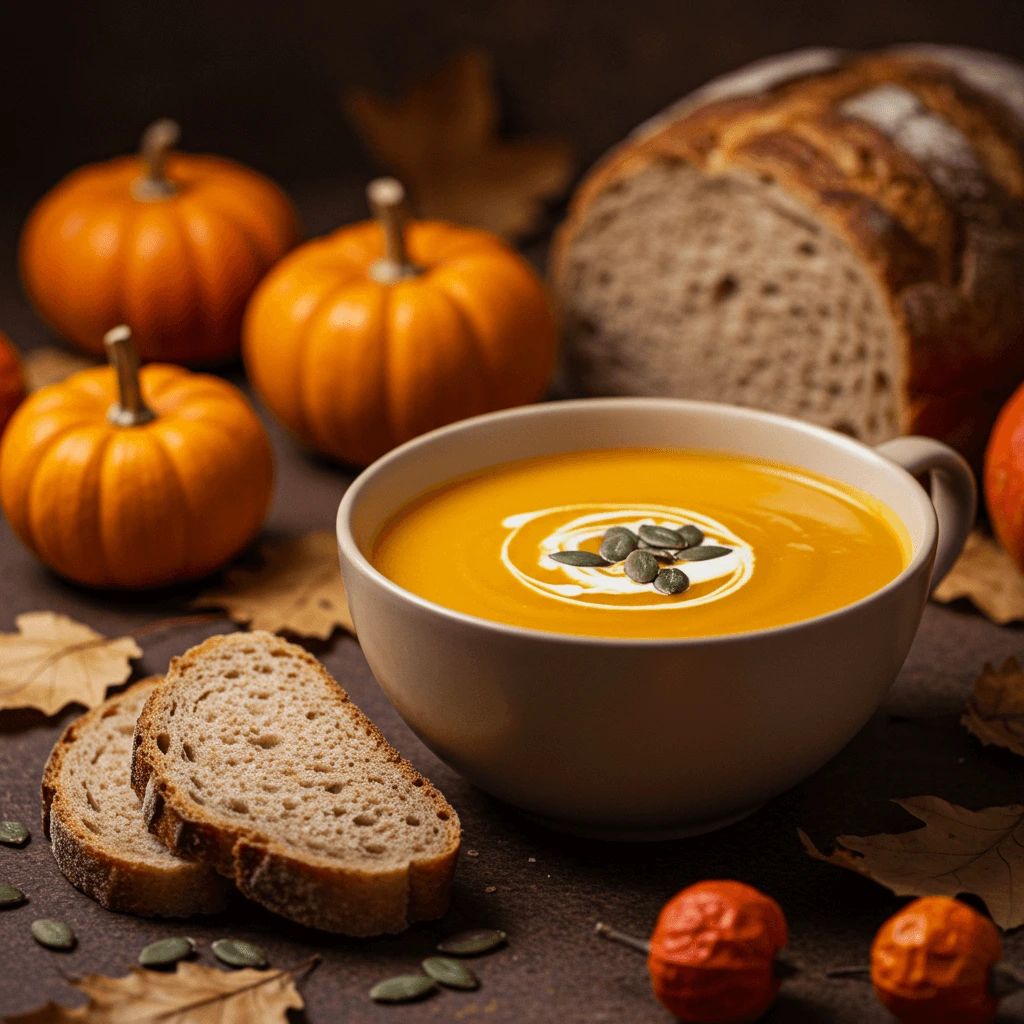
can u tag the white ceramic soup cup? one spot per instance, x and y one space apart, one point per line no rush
636 739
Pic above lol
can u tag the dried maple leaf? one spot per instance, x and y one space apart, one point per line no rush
53 660
193 994
441 139
980 852
995 709
51 365
297 590
986 575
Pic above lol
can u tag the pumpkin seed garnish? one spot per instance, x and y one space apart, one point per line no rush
13 833
703 552
641 566
692 535
402 989
53 934
622 529
236 953
9 896
165 952
472 943
450 973
671 581
617 544
661 537
581 558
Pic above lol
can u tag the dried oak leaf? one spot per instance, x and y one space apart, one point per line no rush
995 709
298 589
980 852
441 139
47 365
52 660
193 994
988 577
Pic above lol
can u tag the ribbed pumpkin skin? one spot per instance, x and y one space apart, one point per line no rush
353 367
178 270
1004 477
139 506
12 383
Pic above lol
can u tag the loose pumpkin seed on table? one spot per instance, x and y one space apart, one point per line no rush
450 973
165 952
13 833
402 989
473 942
53 934
9 896
236 953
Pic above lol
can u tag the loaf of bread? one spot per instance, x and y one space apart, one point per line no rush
250 758
94 820
833 236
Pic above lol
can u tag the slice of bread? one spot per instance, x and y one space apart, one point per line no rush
94 820
251 758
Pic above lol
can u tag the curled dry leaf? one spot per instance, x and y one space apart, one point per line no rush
52 365
441 139
193 994
297 590
987 576
52 660
958 851
995 709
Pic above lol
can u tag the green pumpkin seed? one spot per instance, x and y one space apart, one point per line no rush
472 943
13 833
671 581
236 953
582 558
661 537
53 934
617 544
164 952
450 973
692 535
9 896
641 566
402 989
703 553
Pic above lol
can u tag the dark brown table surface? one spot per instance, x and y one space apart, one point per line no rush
549 889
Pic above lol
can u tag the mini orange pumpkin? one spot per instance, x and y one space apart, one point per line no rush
171 243
117 477
381 331
12 381
1003 478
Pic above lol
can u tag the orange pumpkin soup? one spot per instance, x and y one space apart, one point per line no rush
643 543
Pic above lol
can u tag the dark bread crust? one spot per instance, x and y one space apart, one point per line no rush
950 260
117 881
317 891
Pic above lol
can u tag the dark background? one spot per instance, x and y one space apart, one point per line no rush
260 82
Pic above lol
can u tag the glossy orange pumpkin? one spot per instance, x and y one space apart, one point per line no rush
12 381
124 478
364 339
170 243
932 963
1003 479
713 953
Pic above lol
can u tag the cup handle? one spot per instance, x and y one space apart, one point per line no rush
954 492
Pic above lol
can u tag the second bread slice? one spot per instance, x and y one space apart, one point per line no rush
251 757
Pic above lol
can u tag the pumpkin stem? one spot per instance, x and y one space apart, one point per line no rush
386 197
129 410
606 931
157 141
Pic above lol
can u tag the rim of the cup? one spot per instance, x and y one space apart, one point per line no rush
347 542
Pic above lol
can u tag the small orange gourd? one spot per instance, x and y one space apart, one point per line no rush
381 331
118 477
12 381
1003 478
714 956
171 243
938 962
